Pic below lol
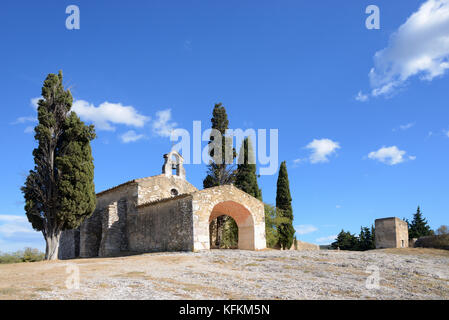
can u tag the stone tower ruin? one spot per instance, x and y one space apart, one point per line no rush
391 233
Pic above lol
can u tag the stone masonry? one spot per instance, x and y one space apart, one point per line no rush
163 213
391 233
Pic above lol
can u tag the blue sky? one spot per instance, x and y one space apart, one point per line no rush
362 114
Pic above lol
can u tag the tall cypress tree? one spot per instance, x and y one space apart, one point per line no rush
419 227
220 172
59 192
284 208
246 177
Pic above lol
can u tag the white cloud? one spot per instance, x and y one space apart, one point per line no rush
107 114
390 155
163 125
338 206
420 47
16 233
326 239
24 120
297 162
12 218
405 126
305 229
29 129
131 136
361 97
34 101
11 225
103 117
21 120
322 149
8 229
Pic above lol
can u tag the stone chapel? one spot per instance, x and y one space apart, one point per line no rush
163 213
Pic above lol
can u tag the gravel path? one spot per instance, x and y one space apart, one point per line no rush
235 274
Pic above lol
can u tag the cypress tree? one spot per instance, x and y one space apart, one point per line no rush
419 227
246 178
59 192
284 208
221 172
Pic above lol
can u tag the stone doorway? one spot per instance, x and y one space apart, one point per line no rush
223 233
242 218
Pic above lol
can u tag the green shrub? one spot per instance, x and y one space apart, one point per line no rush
9 258
27 255
32 255
272 221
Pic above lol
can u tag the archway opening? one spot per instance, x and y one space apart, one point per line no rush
223 233
238 227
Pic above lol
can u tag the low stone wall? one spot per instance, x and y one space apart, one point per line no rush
436 242
305 246
301 246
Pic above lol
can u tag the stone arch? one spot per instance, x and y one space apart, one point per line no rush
247 211
243 218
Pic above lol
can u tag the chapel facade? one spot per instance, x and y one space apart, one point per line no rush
163 213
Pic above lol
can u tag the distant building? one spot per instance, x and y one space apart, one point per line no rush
391 233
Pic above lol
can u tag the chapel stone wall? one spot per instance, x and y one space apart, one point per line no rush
164 225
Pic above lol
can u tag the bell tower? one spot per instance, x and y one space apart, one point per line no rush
173 165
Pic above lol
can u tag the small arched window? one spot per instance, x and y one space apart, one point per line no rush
174 192
175 165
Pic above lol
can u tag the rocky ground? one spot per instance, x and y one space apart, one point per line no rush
235 274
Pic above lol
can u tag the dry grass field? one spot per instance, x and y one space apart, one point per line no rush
235 274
